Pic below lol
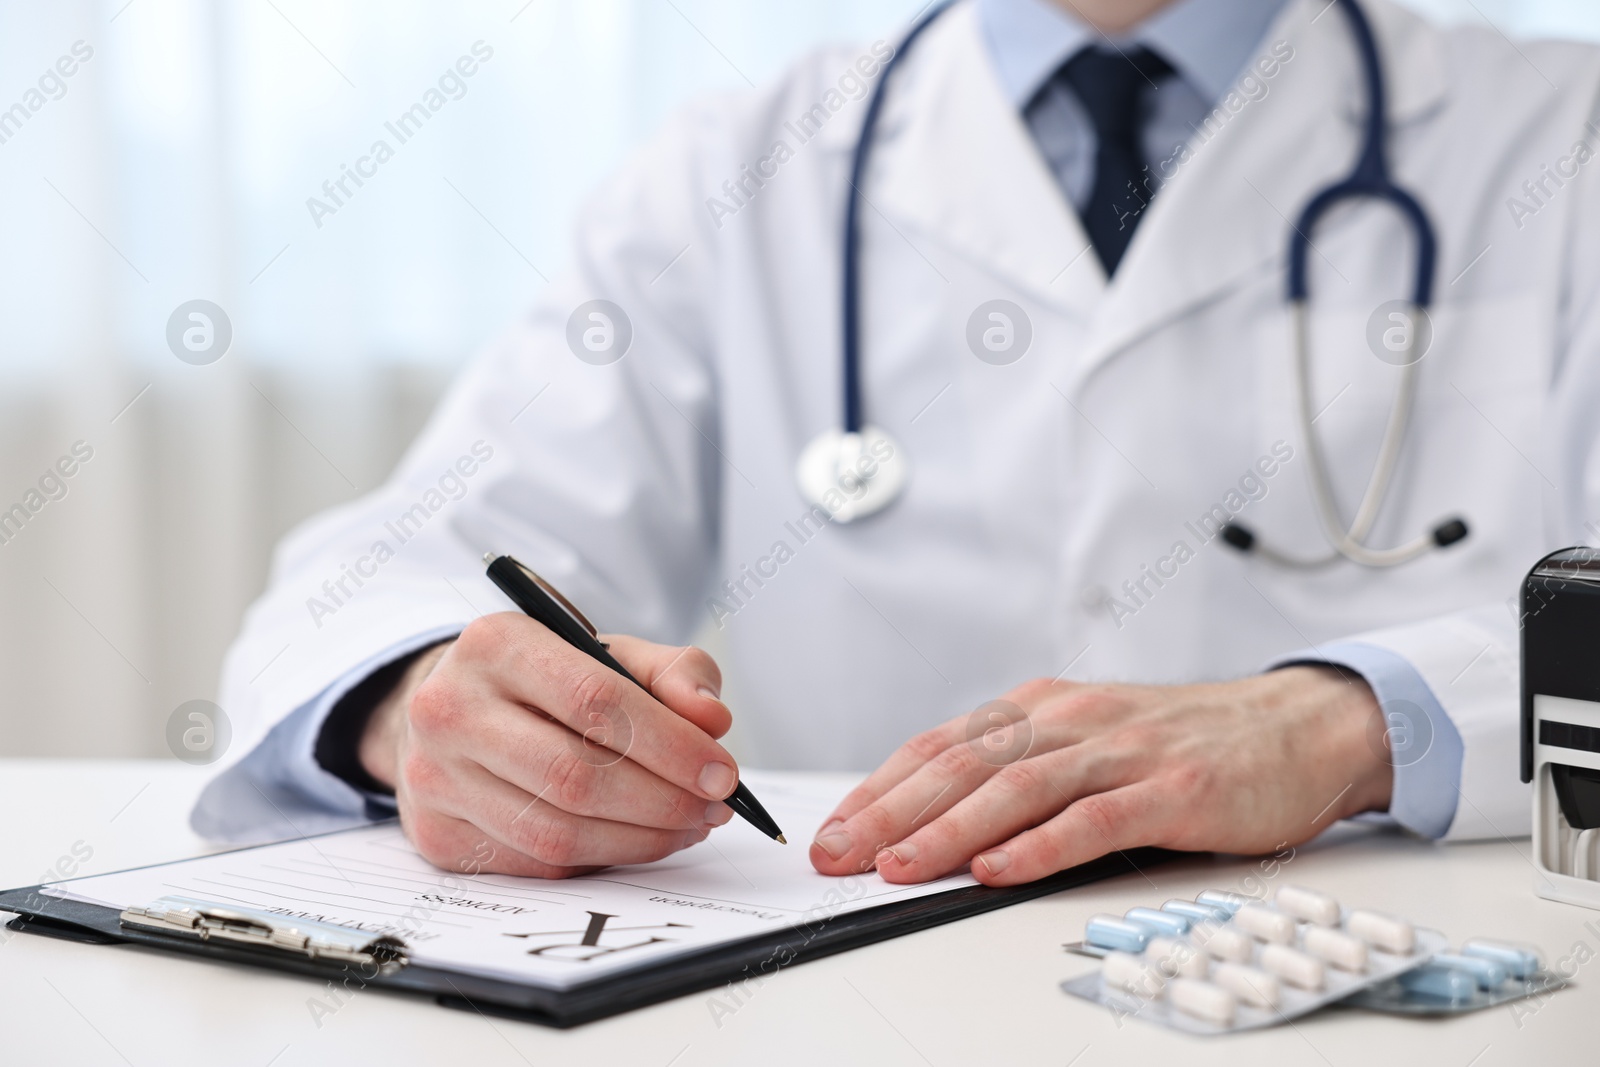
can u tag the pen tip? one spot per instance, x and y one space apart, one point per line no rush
782 840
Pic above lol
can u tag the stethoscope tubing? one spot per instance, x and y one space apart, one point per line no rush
850 305
1349 543
1369 179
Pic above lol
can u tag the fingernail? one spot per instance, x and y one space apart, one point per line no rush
718 813
835 844
708 691
995 862
718 779
902 853
833 824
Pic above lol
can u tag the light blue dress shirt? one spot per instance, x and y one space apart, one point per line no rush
279 790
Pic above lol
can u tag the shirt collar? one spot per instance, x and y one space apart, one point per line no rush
1207 42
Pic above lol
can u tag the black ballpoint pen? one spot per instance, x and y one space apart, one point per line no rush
540 600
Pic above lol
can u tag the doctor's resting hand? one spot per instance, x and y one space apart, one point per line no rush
1061 773
509 737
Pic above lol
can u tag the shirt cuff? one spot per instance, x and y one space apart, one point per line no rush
279 790
1424 746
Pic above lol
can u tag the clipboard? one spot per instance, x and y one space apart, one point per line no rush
360 960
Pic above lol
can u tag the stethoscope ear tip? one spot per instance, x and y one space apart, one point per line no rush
1449 532
1445 534
1238 537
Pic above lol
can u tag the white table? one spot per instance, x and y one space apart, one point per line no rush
980 991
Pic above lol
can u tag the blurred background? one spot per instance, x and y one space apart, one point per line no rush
175 164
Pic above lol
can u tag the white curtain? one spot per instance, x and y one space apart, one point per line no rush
154 152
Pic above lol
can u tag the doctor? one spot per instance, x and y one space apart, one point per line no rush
1075 350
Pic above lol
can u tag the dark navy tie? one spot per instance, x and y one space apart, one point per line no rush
1114 89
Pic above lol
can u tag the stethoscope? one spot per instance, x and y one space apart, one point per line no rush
831 468
858 469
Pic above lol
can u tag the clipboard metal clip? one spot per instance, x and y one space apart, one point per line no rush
198 919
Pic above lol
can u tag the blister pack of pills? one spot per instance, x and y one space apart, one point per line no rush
1480 974
1224 962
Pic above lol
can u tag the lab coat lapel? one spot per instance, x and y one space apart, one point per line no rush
954 162
1225 215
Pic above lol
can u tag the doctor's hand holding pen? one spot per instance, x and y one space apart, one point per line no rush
1060 773
510 738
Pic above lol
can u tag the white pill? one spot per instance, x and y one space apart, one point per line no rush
1261 922
1202 1000
1308 904
1229 944
1131 973
1383 931
1172 958
1294 967
1248 984
1338 948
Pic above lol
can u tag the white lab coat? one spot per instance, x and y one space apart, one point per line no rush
1039 487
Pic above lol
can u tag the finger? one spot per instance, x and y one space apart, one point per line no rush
549 761
1093 826
457 846
976 730
532 666
451 840
1017 797
902 764
557 838
685 679
852 845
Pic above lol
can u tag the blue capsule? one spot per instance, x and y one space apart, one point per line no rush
1158 922
1108 931
1486 973
1446 983
1228 902
1199 913
1518 963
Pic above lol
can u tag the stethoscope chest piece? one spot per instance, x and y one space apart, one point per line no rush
852 475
